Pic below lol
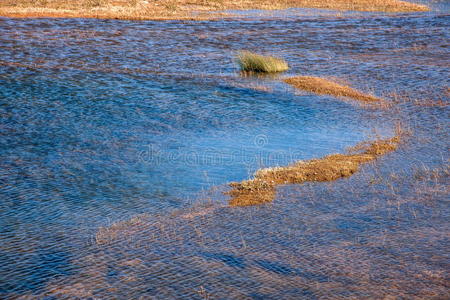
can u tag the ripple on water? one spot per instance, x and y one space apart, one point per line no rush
102 120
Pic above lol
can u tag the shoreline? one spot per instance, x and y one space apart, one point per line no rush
187 10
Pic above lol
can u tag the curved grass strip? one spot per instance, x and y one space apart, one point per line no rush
252 62
324 86
262 187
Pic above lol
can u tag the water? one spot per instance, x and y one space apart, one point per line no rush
103 120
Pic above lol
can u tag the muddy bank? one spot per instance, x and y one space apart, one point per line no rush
183 9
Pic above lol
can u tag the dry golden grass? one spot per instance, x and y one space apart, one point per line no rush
262 187
324 86
181 9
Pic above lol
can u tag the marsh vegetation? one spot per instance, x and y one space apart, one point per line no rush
119 139
323 86
182 9
261 188
252 62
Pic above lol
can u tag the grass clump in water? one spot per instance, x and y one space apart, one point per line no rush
324 86
252 62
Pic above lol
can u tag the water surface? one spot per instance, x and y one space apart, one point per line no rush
106 119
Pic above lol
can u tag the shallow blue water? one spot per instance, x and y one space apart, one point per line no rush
102 120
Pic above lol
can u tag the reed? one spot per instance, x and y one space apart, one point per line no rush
252 62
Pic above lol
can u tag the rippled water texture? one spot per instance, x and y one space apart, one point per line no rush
105 120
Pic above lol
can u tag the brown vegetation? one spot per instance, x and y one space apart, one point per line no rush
181 9
324 86
426 100
106 235
262 187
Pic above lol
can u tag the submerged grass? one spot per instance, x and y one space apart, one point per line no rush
252 62
182 9
324 86
106 235
262 187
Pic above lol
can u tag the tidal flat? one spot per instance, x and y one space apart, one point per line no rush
119 140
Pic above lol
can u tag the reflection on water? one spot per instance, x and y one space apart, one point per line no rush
103 120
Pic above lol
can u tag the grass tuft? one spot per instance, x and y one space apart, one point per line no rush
252 62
